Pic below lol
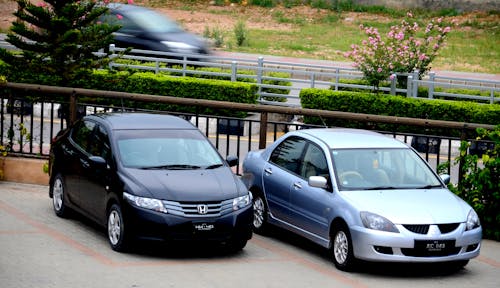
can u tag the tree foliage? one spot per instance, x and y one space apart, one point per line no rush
58 37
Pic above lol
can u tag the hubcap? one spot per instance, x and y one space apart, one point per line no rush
114 227
258 212
57 196
341 247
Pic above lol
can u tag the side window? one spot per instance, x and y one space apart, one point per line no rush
314 163
99 145
288 154
81 134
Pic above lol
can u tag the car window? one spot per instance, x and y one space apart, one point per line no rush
288 154
155 148
81 134
372 168
314 163
99 144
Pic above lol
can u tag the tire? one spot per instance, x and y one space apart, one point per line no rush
260 214
237 244
58 192
342 250
118 237
457 265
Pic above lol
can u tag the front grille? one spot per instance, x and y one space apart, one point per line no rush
190 209
419 229
447 228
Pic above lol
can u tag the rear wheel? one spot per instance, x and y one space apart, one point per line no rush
117 234
260 212
342 250
58 191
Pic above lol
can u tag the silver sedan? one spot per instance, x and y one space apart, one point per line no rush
363 195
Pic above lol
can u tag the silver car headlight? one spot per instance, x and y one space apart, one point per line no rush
179 47
377 222
241 202
472 221
146 203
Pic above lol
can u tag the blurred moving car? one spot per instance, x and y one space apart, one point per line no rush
148 176
363 195
146 29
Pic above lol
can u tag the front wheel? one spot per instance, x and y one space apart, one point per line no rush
260 212
343 256
58 191
117 234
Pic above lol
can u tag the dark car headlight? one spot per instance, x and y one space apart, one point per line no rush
242 202
146 203
472 221
377 222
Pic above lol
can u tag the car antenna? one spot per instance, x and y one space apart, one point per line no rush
123 106
323 121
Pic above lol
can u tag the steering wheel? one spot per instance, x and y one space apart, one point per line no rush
350 176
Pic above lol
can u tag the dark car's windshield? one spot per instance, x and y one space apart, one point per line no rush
166 149
382 169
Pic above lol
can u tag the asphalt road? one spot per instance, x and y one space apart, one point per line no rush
39 249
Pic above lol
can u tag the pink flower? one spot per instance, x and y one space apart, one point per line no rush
130 2
392 76
447 29
422 57
120 17
41 4
379 70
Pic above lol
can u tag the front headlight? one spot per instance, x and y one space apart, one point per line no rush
146 203
242 202
179 47
377 222
472 221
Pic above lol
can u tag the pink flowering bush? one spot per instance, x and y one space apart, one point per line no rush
405 48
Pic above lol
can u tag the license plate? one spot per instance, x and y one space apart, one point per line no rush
434 245
203 226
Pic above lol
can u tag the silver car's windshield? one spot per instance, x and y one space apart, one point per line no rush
166 149
372 169
154 22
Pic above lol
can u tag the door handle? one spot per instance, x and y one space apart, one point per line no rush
297 185
268 171
85 164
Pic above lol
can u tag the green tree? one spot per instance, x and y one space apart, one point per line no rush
58 37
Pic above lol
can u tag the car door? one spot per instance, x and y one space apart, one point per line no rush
310 207
280 173
75 158
96 176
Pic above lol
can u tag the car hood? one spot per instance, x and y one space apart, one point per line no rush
185 185
413 206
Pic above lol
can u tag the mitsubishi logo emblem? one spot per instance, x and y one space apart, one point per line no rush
202 209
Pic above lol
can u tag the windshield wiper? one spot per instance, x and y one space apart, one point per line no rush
382 188
172 167
214 166
429 186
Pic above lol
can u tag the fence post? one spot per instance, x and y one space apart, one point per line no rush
414 85
492 96
260 66
432 78
463 137
233 71
409 83
72 109
394 80
313 79
112 50
184 66
337 78
263 130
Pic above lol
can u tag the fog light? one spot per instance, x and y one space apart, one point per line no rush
383 250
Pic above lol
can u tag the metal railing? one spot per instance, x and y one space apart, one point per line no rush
301 76
41 121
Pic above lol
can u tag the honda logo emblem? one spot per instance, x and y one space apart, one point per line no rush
202 209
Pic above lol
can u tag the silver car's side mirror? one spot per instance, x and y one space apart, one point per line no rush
446 178
318 182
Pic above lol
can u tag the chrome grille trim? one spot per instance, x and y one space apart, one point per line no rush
190 209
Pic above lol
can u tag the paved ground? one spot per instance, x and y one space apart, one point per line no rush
39 249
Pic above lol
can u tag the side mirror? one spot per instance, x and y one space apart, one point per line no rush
232 160
318 182
98 161
446 178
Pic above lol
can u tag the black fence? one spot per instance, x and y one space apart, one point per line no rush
31 117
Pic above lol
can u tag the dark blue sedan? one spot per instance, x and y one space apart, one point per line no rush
148 176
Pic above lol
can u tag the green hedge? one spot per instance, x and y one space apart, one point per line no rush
150 83
379 104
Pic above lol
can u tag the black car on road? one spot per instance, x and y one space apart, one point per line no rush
149 176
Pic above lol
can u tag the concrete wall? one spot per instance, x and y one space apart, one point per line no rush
23 170
460 5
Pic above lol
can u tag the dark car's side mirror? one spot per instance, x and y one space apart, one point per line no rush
232 160
98 161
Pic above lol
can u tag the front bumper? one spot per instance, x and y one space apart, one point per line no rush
151 225
407 246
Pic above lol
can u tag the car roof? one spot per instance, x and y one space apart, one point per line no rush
126 7
137 121
340 138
